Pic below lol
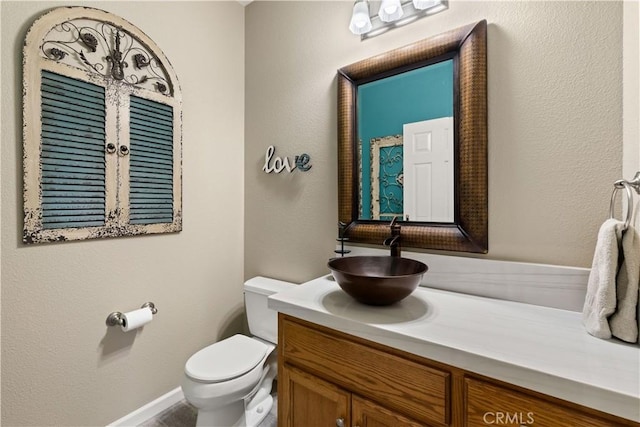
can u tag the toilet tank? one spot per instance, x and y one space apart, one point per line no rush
263 322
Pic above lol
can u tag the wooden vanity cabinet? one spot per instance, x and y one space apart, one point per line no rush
328 378
321 369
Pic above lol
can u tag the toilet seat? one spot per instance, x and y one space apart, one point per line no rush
226 359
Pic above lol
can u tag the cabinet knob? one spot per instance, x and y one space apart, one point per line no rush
111 148
340 422
124 150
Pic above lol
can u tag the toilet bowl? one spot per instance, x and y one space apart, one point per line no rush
230 381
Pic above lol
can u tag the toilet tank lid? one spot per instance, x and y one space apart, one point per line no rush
266 286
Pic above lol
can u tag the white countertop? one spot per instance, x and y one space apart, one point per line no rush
539 348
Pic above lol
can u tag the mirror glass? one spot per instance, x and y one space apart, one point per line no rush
412 143
405 145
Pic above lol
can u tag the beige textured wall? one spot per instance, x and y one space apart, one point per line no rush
61 365
555 125
631 96
631 84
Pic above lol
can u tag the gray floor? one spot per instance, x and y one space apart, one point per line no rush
182 414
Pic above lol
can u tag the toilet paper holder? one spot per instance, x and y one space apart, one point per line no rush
115 318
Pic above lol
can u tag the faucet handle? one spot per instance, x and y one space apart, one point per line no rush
391 241
395 228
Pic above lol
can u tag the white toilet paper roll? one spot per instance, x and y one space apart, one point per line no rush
136 318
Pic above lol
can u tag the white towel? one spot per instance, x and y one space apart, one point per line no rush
623 323
600 301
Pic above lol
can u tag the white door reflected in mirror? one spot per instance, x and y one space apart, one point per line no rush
428 190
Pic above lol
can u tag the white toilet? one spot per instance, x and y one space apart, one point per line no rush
230 381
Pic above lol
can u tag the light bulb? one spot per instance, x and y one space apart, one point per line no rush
425 4
360 20
390 10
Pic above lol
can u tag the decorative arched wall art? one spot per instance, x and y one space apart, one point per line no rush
102 130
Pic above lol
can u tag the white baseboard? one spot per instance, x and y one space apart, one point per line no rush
150 410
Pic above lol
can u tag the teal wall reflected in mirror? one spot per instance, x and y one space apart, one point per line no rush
384 106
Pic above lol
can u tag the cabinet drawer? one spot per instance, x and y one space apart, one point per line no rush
419 391
491 404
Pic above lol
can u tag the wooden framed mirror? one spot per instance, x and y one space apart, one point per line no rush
464 50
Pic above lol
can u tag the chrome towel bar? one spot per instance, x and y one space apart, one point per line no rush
628 186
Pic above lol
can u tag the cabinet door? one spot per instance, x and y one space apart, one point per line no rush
308 401
368 414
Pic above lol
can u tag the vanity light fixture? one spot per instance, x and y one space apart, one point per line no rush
372 18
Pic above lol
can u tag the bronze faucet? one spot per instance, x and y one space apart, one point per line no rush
394 241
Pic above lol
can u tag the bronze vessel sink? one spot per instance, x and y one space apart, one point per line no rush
377 280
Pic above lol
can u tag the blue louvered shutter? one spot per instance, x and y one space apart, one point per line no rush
151 166
73 163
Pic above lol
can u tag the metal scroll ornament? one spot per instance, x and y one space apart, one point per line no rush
107 50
